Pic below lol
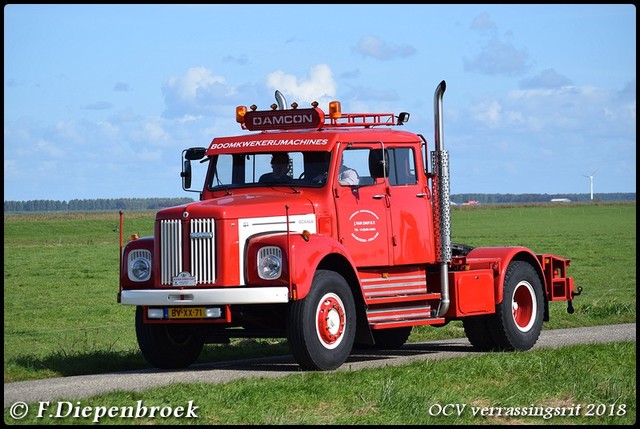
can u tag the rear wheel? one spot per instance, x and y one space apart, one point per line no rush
393 338
167 346
458 249
520 314
321 327
517 322
478 332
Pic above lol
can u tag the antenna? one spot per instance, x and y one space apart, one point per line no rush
590 176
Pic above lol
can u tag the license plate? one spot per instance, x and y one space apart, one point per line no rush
186 313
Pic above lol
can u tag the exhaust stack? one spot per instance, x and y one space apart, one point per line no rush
282 103
442 197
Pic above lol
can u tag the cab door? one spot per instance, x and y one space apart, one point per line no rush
410 208
362 210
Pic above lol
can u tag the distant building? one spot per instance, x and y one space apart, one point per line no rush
560 200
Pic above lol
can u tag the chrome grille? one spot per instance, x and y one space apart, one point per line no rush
170 250
203 250
201 246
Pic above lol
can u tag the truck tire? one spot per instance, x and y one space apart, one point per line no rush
393 338
167 346
321 327
458 249
518 318
478 331
517 323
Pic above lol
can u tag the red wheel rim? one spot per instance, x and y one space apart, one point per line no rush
330 322
524 306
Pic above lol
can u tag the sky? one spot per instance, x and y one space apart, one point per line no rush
100 100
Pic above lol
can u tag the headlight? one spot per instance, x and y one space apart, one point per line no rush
269 262
139 265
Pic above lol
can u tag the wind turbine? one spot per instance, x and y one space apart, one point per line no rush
591 182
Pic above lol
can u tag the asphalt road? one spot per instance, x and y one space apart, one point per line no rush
83 386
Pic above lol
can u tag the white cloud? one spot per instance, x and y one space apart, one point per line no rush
496 57
48 149
570 110
372 46
546 79
187 87
151 132
108 129
488 113
70 131
499 58
196 91
319 85
484 24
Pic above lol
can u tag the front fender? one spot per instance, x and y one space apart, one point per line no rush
301 260
143 243
499 258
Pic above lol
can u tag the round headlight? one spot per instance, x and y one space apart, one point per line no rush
139 263
269 263
141 268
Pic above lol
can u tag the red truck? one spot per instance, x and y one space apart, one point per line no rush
328 229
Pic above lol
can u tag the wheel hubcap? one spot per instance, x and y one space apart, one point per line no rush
524 306
330 322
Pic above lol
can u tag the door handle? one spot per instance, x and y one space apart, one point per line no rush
387 200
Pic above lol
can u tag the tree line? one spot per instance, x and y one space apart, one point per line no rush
94 205
540 198
159 203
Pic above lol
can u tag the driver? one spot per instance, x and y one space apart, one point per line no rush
280 166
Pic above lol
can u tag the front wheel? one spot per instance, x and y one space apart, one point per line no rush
321 327
167 346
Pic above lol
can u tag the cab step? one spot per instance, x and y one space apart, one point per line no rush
403 298
380 318
413 322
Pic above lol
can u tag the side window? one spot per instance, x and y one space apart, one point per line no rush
222 174
353 168
402 166
378 163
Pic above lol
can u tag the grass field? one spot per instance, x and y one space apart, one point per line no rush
61 317
61 280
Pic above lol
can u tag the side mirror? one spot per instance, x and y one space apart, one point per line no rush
188 155
194 153
186 174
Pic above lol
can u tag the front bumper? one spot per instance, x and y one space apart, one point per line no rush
163 297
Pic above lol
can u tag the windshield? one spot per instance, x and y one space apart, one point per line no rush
269 169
